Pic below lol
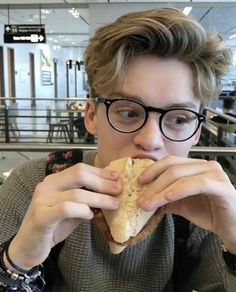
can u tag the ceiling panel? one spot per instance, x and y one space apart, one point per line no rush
60 26
217 19
31 2
212 1
65 30
149 1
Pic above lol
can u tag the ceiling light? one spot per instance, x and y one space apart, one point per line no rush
56 47
187 10
74 12
232 36
46 11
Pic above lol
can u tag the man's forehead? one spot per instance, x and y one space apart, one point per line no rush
191 103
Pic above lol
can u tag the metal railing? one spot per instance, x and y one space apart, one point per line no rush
21 122
21 147
220 114
221 133
29 124
25 147
29 151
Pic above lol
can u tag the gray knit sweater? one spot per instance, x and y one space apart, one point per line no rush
86 264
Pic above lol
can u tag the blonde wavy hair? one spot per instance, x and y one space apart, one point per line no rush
164 32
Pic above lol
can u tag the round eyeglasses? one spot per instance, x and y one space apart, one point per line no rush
128 116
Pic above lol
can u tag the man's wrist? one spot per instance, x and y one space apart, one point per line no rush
11 258
11 267
17 278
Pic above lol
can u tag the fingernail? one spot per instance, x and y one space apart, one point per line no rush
141 178
114 174
169 196
144 203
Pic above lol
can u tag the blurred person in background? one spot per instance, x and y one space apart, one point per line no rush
228 109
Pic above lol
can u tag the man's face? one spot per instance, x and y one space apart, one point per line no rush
162 83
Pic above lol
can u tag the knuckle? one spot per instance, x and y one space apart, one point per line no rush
48 178
79 167
74 195
214 165
65 209
40 188
204 181
173 172
37 216
169 159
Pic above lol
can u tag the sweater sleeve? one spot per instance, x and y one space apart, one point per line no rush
230 280
211 274
16 193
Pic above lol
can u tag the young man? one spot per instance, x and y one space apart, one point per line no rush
149 74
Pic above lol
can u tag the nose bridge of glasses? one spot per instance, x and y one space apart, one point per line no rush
154 114
158 112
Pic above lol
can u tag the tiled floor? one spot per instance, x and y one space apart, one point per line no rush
9 160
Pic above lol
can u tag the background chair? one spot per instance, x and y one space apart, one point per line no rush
57 127
12 111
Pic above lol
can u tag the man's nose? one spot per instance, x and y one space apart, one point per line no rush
149 137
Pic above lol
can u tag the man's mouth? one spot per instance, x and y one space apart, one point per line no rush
142 156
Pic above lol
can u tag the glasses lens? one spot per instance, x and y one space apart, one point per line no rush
126 116
179 125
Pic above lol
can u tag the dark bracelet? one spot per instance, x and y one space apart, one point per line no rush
23 279
22 271
230 259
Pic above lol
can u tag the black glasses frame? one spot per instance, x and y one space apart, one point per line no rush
148 109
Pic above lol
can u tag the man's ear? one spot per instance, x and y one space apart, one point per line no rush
90 117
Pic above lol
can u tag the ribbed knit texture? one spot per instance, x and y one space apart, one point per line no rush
86 263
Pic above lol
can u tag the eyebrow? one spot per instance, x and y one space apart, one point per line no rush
190 105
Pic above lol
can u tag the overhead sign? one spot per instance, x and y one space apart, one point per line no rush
24 33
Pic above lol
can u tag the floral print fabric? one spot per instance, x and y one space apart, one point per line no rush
60 160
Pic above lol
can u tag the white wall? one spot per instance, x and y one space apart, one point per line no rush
22 78
99 18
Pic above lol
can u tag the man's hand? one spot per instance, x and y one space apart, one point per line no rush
59 203
196 189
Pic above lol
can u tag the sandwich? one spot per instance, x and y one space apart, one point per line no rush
129 224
